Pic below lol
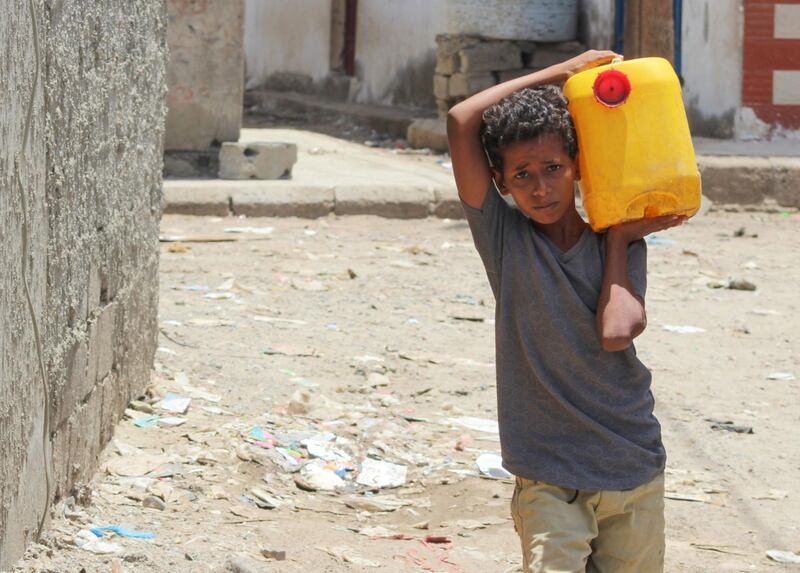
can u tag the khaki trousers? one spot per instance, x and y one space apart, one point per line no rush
567 531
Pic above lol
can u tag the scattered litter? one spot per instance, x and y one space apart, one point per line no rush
347 555
249 230
688 497
764 312
733 284
492 465
88 541
122 532
477 424
377 503
683 329
716 548
177 248
260 438
379 532
320 476
729 426
656 241
378 474
146 422
784 376
783 556
274 554
220 296
309 285
153 502
174 403
437 539
172 421
277 319
773 494
287 350
196 239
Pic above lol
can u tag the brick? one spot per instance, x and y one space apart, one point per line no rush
195 198
440 86
391 202
547 55
469 84
257 160
490 57
307 202
744 180
428 133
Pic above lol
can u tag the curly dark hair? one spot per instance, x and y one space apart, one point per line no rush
525 115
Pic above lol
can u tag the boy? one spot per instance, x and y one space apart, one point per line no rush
574 402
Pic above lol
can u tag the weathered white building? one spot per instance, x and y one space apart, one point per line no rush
739 59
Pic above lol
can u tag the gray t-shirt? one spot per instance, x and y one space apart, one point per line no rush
570 414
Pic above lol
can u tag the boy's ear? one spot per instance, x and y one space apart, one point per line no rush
497 175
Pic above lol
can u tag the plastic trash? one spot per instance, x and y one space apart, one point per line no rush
122 532
380 474
146 422
477 424
320 477
175 403
656 241
785 376
249 230
88 541
783 556
172 421
683 329
491 465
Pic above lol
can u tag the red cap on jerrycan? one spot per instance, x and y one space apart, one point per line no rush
612 88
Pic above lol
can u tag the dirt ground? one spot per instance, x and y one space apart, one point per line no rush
378 333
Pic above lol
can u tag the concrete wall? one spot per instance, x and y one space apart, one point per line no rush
712 65
205 73
596 24
82 232
285 36
396 50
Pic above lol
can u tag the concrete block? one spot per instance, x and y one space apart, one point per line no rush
428 133
205 73
744 180
76 383
490 57
102 334
447 63
447 204
547 55
464 85
187 198
283 201
786 181
384 201
257 160
440 86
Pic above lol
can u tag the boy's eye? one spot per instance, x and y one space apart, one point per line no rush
554 167
521 175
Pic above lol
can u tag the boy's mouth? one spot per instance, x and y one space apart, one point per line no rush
546 206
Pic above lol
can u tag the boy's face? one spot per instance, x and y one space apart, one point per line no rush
540 175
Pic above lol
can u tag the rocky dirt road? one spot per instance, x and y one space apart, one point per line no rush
321 344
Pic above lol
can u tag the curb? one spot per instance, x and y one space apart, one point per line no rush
282 199
730 182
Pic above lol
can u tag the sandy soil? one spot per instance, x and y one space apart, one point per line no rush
386 325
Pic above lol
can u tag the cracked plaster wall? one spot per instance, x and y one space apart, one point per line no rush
80 205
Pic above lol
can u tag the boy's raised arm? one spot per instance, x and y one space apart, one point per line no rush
470 165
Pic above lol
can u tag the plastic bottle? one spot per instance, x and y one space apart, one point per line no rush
636 157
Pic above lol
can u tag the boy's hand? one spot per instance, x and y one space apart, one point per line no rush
588 59
635 230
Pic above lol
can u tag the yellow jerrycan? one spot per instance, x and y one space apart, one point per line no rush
636 156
